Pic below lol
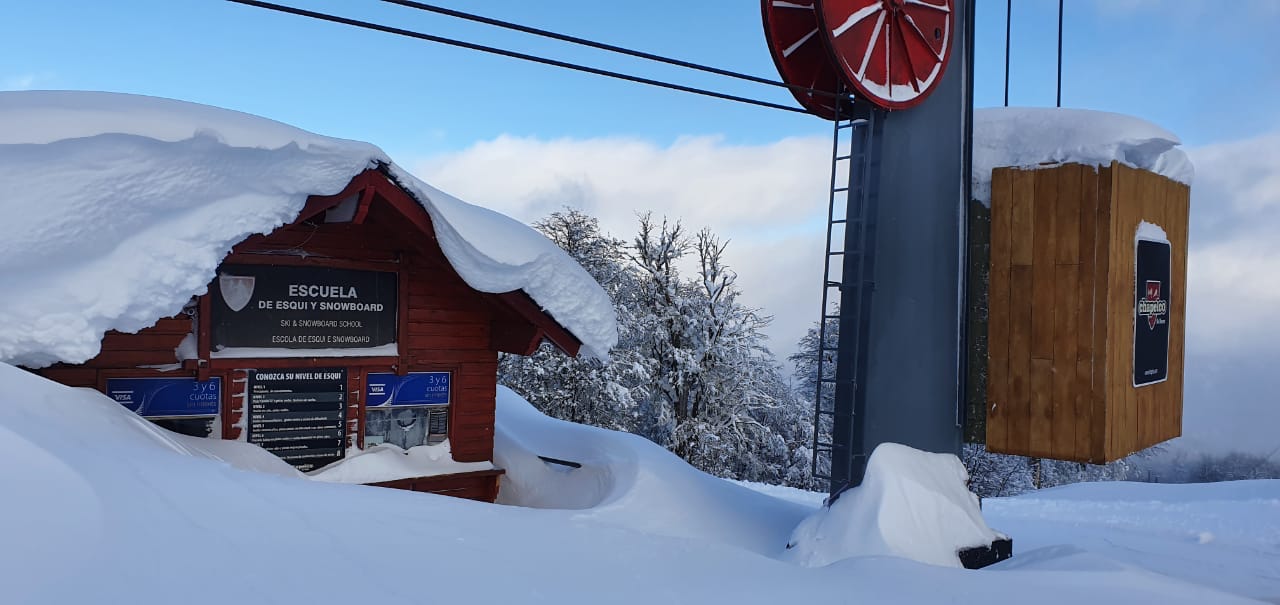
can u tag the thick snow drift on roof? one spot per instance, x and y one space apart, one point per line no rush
118 208
1030 136
911 504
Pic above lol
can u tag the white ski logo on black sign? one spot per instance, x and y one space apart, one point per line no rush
237 290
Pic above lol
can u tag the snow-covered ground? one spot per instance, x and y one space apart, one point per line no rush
100 506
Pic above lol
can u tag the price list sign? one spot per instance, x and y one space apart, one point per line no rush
299 415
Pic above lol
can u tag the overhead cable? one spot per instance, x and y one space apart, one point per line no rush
422 6
509 53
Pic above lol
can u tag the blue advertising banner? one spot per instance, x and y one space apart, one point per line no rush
414 388
167 397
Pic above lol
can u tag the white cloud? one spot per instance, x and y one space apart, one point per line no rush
1234 266
768 200
24 81
1233 293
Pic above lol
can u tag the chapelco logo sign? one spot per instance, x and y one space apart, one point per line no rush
1151 302
1152 306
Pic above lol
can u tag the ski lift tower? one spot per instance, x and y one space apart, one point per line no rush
894 78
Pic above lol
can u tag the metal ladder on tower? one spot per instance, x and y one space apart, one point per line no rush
840 400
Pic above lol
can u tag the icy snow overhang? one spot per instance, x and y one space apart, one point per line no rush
1031 136
118 209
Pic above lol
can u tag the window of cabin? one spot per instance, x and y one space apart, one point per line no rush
406 426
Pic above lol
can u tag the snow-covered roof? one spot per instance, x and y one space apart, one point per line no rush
118 208
1030 136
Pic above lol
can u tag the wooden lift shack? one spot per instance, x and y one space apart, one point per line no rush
346 328
1087 311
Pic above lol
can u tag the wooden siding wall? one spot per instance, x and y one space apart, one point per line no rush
444 326
1150 414
1060 331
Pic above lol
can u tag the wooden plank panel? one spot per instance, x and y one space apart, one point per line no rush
352 241
478 396
72 376
1041 407
998 311
438 283
1084 425
1044 253
445 302
168 325
431 356
131 359
472 330
415 343
115 341
477 370
1064 359
424 315
1019 401
1121 395
1067 213
1100 431
1086 301
1022 215
312 251
1179 199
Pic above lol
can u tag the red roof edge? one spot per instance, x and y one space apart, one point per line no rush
517 302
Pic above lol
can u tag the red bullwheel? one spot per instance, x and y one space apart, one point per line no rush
893 52
795 41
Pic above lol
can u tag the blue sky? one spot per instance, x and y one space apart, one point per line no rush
528 139
1187 65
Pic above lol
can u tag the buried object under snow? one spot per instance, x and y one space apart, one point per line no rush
911 504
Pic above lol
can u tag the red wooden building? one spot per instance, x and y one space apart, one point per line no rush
346 328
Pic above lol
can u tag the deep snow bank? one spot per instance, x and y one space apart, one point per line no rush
911 504
387 462
49 416
118 208
1029 136
629 481
99 509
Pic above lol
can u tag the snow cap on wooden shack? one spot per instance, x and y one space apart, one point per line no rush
1087 282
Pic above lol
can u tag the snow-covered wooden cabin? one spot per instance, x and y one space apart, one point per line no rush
232 277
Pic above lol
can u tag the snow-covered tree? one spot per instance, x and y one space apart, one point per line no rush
691 370
804 364
714 378
587 391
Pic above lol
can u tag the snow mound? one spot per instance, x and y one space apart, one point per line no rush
911 504
628 481
1151 232
120 207
1030 136
48 415
387 462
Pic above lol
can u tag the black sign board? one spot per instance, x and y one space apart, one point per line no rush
1151 313
283 307
299 414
